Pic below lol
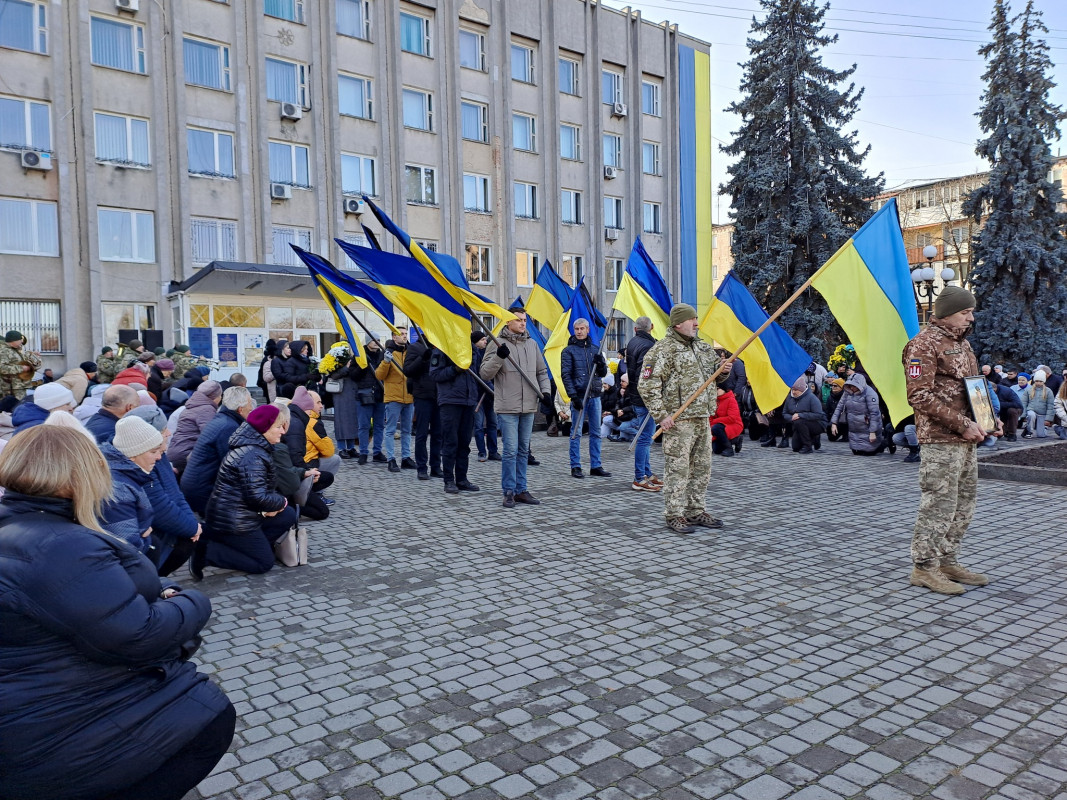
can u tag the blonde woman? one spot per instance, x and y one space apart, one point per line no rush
97 696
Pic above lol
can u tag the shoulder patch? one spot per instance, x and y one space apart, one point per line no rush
915 368
646 372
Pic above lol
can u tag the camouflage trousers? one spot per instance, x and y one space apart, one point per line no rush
948 479
687 467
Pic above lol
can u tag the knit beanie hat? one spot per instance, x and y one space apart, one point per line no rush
213 389
181 348
134 436
302 399
12 336
133 344
165 363
477 336
106 349
146 357
682 312
1038 376
1023 375
801 383
144 397
262 417
951 300
159 351
87 366
152 414
52 395
838 382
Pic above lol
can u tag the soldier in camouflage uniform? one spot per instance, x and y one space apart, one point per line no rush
936 362
107 366
674 368
183 361
17 366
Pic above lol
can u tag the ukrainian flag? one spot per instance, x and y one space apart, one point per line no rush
550 296
867 285
643 292
321 270
773 362
561 334
347 289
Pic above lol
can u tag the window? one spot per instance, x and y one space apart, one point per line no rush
118 45
353 18
283 237
210 153
650 158
570 269
523 133
118 316
355 96
568 76
472 50
287 82
292 10
24 124
652 214
478 266
571 205
610 87
23 26
37 320
526 263
289 164
357 175
613 272
427 245
570 142
475 193
126 235
526 201
206 64
420 184
923 239
522 63
414 34
122 140
612 150
959 234
213 240
650 98
418 110
474 119
612 212
28 227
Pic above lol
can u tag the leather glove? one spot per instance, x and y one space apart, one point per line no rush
598 359
427 354
546 398
577 403
502 350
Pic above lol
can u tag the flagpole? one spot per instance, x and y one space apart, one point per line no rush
514 363
471 372
576 425
359 322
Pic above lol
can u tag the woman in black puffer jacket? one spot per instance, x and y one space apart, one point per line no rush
245 514
294 371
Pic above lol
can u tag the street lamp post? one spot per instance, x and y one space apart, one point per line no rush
922 279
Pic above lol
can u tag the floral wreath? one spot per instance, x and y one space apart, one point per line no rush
844 354
335 359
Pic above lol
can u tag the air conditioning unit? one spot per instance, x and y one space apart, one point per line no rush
34 159
281 191
353 205
611 234
619 110
610 172
292 111
133 6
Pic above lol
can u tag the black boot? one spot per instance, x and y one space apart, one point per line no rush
912 456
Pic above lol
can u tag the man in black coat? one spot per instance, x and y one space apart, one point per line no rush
582 365
636 349
427 412
457 393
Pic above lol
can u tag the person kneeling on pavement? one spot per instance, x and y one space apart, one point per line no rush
804 410
726 425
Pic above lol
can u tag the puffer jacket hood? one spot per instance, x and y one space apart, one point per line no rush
246 435
858 381
27 415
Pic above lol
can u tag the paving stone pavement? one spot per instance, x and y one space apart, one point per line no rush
442 646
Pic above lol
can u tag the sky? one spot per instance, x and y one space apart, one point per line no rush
917 60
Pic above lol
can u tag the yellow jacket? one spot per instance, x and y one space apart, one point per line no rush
318 446
392 376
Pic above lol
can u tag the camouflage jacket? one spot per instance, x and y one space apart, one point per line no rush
107 367
13 364
183 362
674 368
936 362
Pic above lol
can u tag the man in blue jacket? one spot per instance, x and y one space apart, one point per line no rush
118 401
457 395
582 365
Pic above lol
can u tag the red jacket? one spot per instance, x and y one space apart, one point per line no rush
729 415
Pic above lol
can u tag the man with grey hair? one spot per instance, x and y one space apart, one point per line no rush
581 368
636 349
202 467
118 401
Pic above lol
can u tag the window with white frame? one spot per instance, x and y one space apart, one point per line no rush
526 201
119 45
292 10
474 121
475 192
213 240
126 235
210 153
650 158
427 245
38 320
568 76
121 140
28 227
526 265
610 87
612 150
652 213
282 237
289 164
959 234
570 268
650 98
472 50
478 266
343 261
207 64
353 18
24 25
358 175
613 272
524 132
25 124
414 34
418 110
612 212
570 142
522 63
420 184
355 96
571 207
287 82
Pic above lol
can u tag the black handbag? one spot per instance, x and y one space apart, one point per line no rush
365 396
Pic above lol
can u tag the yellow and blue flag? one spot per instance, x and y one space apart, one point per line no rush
335 299
346 288
549 297
579 308
643 293
867 285
773 362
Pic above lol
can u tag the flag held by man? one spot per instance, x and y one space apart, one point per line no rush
579 308
643 293
549 297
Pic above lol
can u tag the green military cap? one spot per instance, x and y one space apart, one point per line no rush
181 348
13 336
106 349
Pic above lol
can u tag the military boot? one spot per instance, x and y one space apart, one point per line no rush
961 574
934 580
912 456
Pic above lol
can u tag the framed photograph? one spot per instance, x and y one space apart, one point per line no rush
981 407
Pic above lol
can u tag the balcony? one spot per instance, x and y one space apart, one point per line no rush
915 254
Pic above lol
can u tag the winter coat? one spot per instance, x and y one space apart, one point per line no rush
1060 409
172 518
365 377
77 381
936 362
128 513
158 383
102 426
287 478
1041 401
391 374
728 414
93 686
27 414
129 376
807 406
636 350
417 370
862 415
580 366
91 404
455 386
1008 398
319 445
294 371
737 381
346 402
296 437
512 394
830 406
199 411
245 486
675 368
202 466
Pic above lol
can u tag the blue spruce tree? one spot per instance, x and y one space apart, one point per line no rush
798 186
1020 254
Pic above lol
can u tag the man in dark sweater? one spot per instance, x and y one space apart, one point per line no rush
636 348
804 410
